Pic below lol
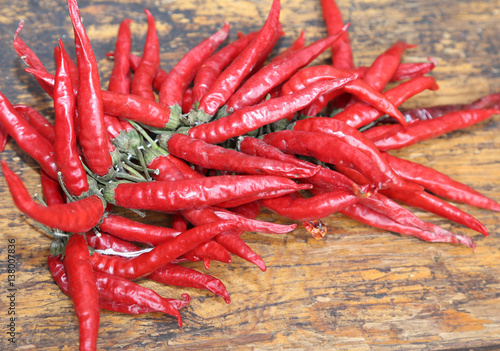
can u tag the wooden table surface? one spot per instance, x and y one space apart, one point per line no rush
359 288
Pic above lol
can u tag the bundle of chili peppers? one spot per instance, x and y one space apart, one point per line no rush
226 132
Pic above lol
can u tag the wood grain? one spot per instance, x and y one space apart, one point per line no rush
357 289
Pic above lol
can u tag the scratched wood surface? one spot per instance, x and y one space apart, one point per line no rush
357 289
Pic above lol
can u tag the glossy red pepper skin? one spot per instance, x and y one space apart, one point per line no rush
162 254
120 79
193 193
315 207
341 50
214 65
67 157
142 82
161 74
433 128
253 117
52 192
237 246
28 139
92 129
355 138
76 217
412 70
370 217
277 72
216 157
181 75
439 183
329 149
37 121
83 290
360 114
103 241
229 80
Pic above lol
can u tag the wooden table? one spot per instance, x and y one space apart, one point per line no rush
357 289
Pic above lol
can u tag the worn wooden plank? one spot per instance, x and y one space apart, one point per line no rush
357 289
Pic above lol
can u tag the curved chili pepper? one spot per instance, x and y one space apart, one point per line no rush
37 121
237 246
277 72
120 295
433 128
254 117
83 290
229 80
27 137
213 66
92 129
172 274
216 157
193 193
76 217
370 217
120 80
355 138
27 55
341 50
316 207
360 114
181 75
66 154
162 254
328 149
358 88
51 190
424 201
439 183
142 83
412 70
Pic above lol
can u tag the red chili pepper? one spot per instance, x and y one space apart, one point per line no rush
103 241
249 224
160 77
249 210
229 80
65 145
254 117
329 149
433 128
370 217
92 129
27 55
358 88
172 274
193 193
142 83
439 183
162 254
76 217
296 46
120 295
179 223
213 66
341 50
216 157
359 114
72 68
51 190
412 70
28 139
83 290
181 75
355 138
237 246
187 100
37 121
120 79
277 72
315 207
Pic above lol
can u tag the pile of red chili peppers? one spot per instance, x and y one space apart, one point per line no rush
226 132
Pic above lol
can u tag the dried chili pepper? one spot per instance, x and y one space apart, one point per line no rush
252 117
28 139
65 145
120 79
76 217
83 290
142 83
92 129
